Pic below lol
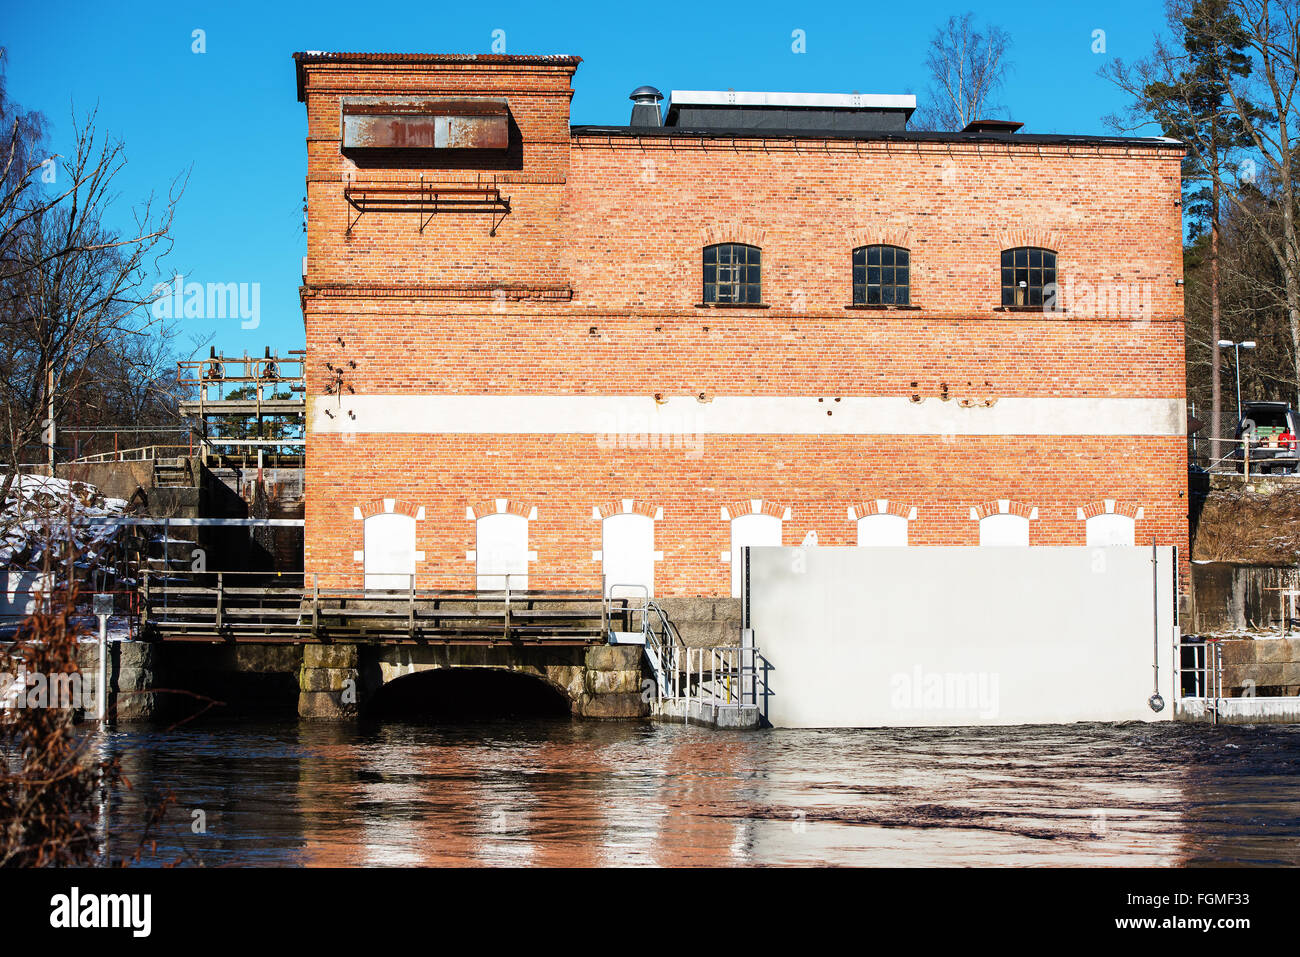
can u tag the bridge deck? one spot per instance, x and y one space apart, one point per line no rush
205 608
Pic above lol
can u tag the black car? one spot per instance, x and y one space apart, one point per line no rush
1271 428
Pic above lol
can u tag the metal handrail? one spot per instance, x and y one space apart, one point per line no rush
1243 459
722 676
659 646
718 676
1206 673
141 453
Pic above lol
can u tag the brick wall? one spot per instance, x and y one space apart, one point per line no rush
565 477
618 223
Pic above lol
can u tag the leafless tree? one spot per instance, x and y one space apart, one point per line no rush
967 67
76 275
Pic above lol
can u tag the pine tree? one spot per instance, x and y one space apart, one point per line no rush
1195 107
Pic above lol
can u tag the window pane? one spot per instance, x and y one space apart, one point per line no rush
903 256
1035 257
859 273
1022 258
873 295
873 274
860 256
887 294
859 294
873 255
900 276
732 273
1006 259
904 295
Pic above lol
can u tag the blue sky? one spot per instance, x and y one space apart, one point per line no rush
230 115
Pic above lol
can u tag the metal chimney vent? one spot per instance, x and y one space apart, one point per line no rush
992 126
645 106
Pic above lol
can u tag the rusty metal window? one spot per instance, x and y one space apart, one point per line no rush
882 276
1026 272
404 124
732 273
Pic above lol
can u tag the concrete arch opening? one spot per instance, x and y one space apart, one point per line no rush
468 694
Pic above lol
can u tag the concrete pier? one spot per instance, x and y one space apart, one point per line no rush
341 680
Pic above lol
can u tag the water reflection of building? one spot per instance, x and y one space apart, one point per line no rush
587 794
550 795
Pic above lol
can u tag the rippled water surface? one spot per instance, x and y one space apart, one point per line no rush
573 793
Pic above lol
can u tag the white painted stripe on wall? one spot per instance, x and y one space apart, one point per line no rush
742 415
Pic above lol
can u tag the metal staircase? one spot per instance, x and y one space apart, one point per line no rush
725 677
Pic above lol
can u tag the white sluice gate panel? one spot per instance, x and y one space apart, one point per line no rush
856 637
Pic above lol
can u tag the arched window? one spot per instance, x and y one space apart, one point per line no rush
732 273
749 530
1004 529
881 276
882 530
1026 272
501 549
1111 530
627 551
389 556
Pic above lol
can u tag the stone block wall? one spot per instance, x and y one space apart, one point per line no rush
1261 667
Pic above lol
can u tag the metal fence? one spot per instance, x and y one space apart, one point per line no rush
1245 456
724 676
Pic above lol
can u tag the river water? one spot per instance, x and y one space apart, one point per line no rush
561 792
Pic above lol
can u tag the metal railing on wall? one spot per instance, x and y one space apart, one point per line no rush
1246 455
723 676
1198 673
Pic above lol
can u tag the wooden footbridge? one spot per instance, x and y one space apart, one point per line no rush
262 608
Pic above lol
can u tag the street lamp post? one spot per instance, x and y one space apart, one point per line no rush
1236 348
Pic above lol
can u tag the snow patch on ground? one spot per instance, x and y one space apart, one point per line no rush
36 521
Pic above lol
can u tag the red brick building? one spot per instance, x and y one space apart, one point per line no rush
572 351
